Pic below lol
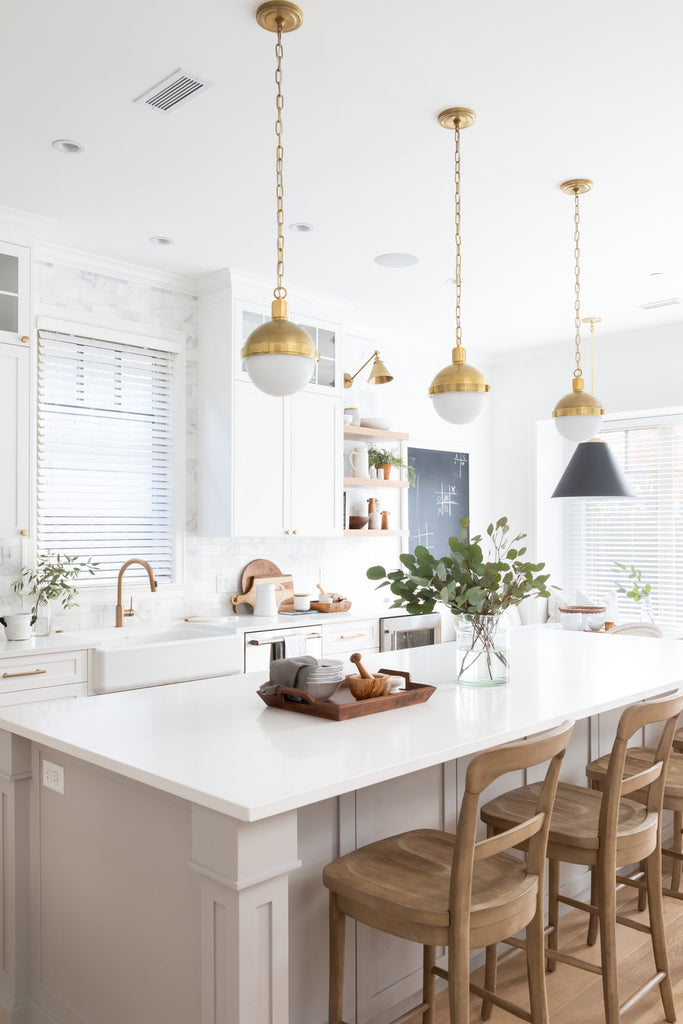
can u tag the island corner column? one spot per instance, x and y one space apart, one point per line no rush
244 915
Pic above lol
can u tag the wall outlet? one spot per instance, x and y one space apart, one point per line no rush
53 776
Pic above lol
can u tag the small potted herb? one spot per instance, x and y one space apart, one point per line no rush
384 459
53 579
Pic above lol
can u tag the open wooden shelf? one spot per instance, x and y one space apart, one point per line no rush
375 533
361 481
352 433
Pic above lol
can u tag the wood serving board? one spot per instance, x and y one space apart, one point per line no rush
336 606
257 567
250 597
342 706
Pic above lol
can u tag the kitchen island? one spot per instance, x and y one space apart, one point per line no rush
176 878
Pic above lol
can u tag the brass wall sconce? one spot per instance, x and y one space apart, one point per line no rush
378 374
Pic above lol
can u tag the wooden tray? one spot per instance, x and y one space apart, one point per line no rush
342 706
336 606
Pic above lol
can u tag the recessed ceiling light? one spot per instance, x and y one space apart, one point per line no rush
301 226
161 240
67 146
657 273
396 260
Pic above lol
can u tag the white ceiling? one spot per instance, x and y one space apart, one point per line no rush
592 89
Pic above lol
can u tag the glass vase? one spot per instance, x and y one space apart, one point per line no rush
483 650
43 624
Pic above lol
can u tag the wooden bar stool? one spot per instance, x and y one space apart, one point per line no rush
449 890
604 831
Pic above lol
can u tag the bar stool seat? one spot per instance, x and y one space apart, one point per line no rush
574 824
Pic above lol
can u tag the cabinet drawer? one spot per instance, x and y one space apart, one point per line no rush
36 671
356 636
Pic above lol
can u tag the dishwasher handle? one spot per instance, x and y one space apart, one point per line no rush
281 640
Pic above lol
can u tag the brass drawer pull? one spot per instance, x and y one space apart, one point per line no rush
34 672
350 636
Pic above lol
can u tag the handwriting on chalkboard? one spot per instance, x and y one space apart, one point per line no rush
439 499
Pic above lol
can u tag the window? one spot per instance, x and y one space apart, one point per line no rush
106 450
646 532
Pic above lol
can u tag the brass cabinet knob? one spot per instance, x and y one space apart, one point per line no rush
24 533
25 338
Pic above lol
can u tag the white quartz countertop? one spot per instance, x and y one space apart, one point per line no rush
216 743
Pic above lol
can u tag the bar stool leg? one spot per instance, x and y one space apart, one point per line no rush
490 979
593 923
337 939
553 910
428 982
458 982
678 846
607 903
653 874
535 949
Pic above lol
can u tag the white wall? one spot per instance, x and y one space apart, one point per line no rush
634 372
341 563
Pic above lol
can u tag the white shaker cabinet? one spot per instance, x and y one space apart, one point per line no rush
267 466
15 269
14 431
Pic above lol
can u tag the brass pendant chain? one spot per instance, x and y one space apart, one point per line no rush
280 292
458 269
577 286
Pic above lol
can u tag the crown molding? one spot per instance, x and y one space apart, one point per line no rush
167 281
22 228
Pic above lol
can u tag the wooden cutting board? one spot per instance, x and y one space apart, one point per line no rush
250 596
258 567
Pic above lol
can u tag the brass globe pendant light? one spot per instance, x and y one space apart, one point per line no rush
459 390
279 356
578 415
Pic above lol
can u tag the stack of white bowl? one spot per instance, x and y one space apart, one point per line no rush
325 679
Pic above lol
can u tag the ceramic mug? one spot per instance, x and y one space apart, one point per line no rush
359 462
302 602
18 626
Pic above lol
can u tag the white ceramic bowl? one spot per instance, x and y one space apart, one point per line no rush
322 691
376 424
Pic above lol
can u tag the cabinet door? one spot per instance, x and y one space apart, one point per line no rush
258 478
14 292
315 465
14 438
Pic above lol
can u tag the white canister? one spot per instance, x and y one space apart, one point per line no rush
18 626
302 602
359 463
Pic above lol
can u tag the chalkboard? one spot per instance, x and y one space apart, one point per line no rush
439 499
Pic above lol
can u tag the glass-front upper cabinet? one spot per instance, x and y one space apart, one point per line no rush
325 337
14 292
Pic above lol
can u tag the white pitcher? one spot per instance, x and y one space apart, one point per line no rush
265 603
359 462
18 626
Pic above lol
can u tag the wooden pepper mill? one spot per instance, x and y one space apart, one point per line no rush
385 520
375 521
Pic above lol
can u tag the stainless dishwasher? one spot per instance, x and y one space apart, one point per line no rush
263 646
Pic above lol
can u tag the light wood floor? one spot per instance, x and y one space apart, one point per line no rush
575 996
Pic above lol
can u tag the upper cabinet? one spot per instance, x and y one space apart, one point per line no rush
268 467
14 430
15 269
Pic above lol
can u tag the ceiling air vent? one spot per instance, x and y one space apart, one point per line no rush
659 304
175 90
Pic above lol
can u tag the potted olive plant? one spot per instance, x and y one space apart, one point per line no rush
384 459
53 579
470 585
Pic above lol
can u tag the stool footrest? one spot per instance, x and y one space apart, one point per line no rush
588 908
565 958
643 990
504 1004
637 926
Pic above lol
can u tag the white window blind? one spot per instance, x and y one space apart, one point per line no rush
105 453
646 532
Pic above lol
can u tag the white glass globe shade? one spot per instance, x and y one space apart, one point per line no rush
278 373
578 428
459 406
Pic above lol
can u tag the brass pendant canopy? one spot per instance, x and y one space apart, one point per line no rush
279 356
458 390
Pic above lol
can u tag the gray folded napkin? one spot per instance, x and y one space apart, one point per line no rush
289 672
